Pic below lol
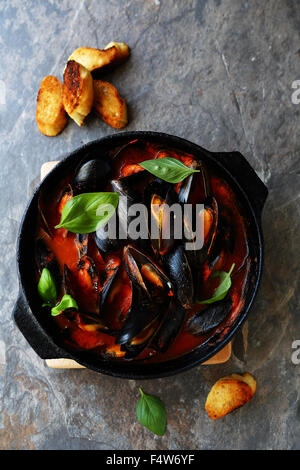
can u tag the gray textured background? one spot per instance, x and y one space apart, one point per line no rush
218 73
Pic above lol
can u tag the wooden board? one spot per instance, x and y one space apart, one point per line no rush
221 357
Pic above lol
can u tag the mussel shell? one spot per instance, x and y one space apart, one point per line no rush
197 257
209 318
181 276
142 312
146 274
106 244
170 327
107 286
196 188
137 345
165 192
92 174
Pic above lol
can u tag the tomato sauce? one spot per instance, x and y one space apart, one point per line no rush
68 252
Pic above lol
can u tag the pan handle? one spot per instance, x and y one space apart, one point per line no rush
32 331
243 172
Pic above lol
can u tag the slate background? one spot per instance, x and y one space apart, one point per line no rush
217 72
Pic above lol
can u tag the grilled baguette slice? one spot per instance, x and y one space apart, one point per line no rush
230 393
109 105
123 51
51 116
78 91
95 59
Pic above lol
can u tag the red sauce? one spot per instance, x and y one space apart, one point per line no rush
66 249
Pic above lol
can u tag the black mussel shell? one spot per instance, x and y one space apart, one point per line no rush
197 257
142 312
170 327
136 346
196 188
225 237
106 244
181 276
209 318
107 286
160 193
92 174
147 275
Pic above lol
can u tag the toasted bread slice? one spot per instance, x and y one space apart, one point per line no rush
78 91
51 116
123 51
109 105
94 59
229 393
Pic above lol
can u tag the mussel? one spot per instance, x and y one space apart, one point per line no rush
207 218
209 318
92 173
146 274
170 327
136 345
160 197
142 312
151 293
181 276
114 234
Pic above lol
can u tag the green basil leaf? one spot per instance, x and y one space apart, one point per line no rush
151 413
66 302
47 288
88 211
223 287
168 169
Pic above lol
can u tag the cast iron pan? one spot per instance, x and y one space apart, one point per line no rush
38 328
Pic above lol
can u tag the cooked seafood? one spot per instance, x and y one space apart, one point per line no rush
152 298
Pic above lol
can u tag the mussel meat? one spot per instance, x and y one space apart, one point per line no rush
160 197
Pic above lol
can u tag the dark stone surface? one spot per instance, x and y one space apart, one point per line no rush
220 73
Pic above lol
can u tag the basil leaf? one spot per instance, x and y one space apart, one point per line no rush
88 211
66 302
168 169
47 288
151 413
222 289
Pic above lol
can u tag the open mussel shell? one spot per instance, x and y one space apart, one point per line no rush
209 318
137 345
225 237
142 312
196 188
209 220
92 174
170 327
159 197
147 275
181 276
